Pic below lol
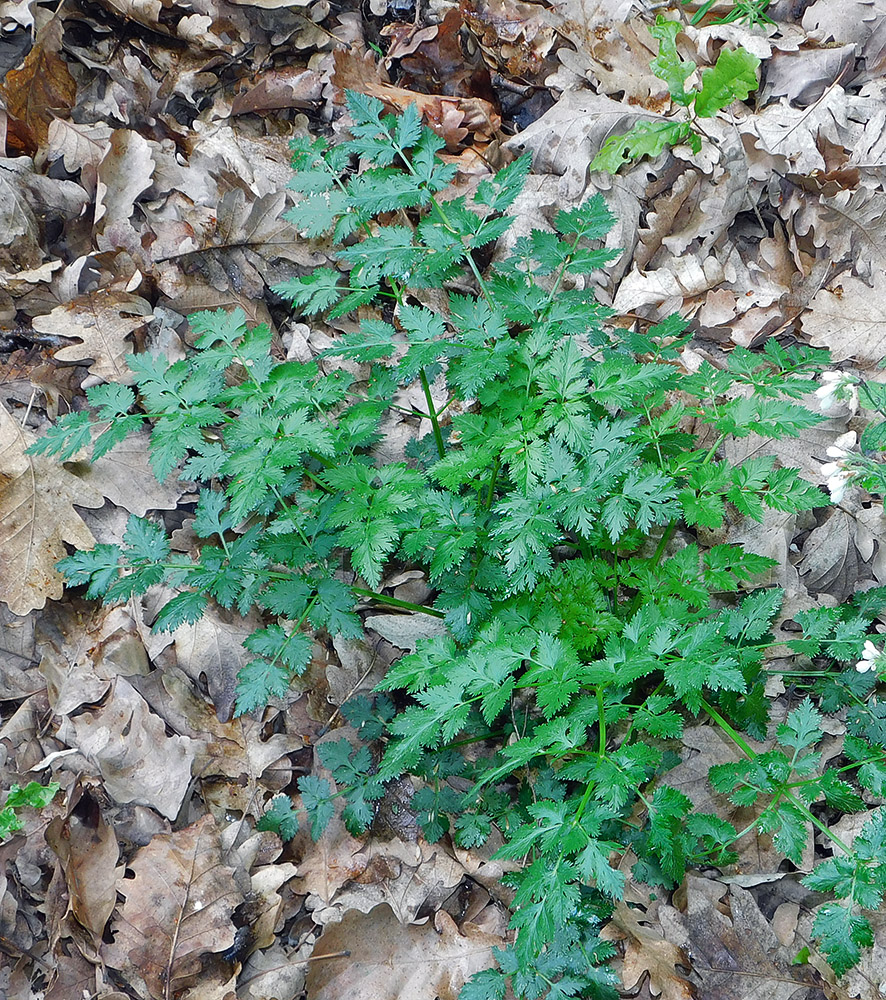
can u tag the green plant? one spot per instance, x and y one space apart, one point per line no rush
732 78
553 507
33 794
749 12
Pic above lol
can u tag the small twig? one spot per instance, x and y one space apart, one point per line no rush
319 958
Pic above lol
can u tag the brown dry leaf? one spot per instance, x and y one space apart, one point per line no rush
451 117
211 653
125 476
86 846
131 750
80 147
735 950
177 913
19 231
831 560
648 953
412 878
850 319
102 321
290 87
125 171
36 518
388 961
42 87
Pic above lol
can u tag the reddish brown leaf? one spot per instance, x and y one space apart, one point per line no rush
450 117
41 89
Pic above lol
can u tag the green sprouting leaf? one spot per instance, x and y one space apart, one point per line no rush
68 435
644 139
667 64
499 193
731 79
280 818
489 984
802 728
185 608
316 797
841 933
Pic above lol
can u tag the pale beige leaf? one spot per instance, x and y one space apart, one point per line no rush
850 319
80 147
648 953
125 171
137 760
388 961
86 846
102 321
36 518
126 478
176 914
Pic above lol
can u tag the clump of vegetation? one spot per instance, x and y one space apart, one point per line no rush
554 515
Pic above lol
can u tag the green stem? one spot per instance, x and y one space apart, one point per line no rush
432 413
667 534
601 721
745 747
394 602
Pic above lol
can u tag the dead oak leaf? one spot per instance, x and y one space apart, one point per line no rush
36 518
177 912
41 87
102 321
383 960
647 952
850 320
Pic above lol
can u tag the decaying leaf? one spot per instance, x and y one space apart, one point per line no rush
43 88
850 319
386 961
647 952
37 516
102 321
131 750
176 914
87 849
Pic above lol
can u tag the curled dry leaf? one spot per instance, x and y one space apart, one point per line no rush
136 759
451 117
387 961
41 89
37 516
176 914
102 321
86 847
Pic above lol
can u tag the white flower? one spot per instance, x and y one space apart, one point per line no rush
837 482
834 386
838 474
870 655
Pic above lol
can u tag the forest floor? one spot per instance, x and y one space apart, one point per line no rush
145 171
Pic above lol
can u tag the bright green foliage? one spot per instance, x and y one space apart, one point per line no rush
859 879
731 79
748 12
554 509
33 794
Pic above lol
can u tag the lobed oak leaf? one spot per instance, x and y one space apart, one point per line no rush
37 517
102 321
